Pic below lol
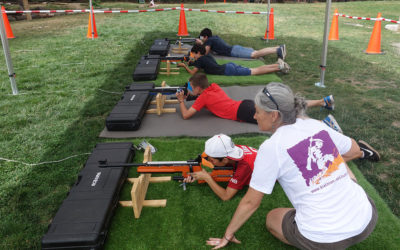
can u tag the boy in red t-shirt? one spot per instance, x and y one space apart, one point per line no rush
221 151
213 98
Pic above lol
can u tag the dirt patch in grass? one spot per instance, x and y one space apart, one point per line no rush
383 176
396 124
397 47
367 84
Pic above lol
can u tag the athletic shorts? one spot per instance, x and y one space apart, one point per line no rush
294 237
232 69
242 52
246 112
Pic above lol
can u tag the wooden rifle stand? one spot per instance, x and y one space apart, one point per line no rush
139 190
168 69
159 102
180 50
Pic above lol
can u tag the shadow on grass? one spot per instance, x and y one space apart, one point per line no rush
35 199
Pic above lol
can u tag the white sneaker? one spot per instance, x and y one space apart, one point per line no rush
284 67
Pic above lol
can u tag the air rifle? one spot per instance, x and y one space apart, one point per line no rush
180 58
219 174
184 39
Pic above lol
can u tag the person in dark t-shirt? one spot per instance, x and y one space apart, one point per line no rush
210 66
220 47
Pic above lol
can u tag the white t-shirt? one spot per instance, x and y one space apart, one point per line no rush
305 157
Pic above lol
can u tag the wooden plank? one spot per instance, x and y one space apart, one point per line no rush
155 111
160 179
147 156
169 110
171 101
126 203
138 193
170 69
159 103
151 111
167 102
131 180
155 203
169 73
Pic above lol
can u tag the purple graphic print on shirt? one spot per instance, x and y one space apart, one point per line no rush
314 155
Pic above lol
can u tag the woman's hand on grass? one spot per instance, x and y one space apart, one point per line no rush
222 242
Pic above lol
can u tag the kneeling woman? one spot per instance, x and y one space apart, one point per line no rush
331 211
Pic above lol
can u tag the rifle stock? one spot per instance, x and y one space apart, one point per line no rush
219 174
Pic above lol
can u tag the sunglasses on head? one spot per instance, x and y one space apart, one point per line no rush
266 92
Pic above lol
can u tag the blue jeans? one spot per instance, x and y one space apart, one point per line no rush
242 52
232 69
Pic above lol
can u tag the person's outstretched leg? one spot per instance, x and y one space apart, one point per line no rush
280 51
327 102
264 52
265 69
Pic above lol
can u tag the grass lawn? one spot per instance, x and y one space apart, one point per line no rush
62 77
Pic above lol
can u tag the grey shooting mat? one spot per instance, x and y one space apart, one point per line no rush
189 47
203 123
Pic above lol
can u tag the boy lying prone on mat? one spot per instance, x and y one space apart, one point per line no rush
213 98
210 66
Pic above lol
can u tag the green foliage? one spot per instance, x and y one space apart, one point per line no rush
62 77
96 3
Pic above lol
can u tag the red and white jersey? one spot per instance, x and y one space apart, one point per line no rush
244 168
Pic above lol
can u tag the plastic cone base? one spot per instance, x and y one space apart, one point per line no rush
373 53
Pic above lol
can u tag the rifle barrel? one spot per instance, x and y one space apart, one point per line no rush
105 164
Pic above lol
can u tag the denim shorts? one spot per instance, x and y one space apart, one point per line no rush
232 69
242 52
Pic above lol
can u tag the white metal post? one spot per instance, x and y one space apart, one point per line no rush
324 46
6 49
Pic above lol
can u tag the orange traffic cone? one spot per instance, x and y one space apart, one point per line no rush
374 46
270 34
182 31
9 32
89 32
334 32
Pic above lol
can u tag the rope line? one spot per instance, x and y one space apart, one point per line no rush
132 11
42 163
368 18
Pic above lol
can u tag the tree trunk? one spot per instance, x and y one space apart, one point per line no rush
25 5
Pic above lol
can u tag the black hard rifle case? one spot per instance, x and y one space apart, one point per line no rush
83 219
160 47
127 115
147 68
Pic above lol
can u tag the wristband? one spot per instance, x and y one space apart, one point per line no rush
227 238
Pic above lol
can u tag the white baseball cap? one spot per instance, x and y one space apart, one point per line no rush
220 146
